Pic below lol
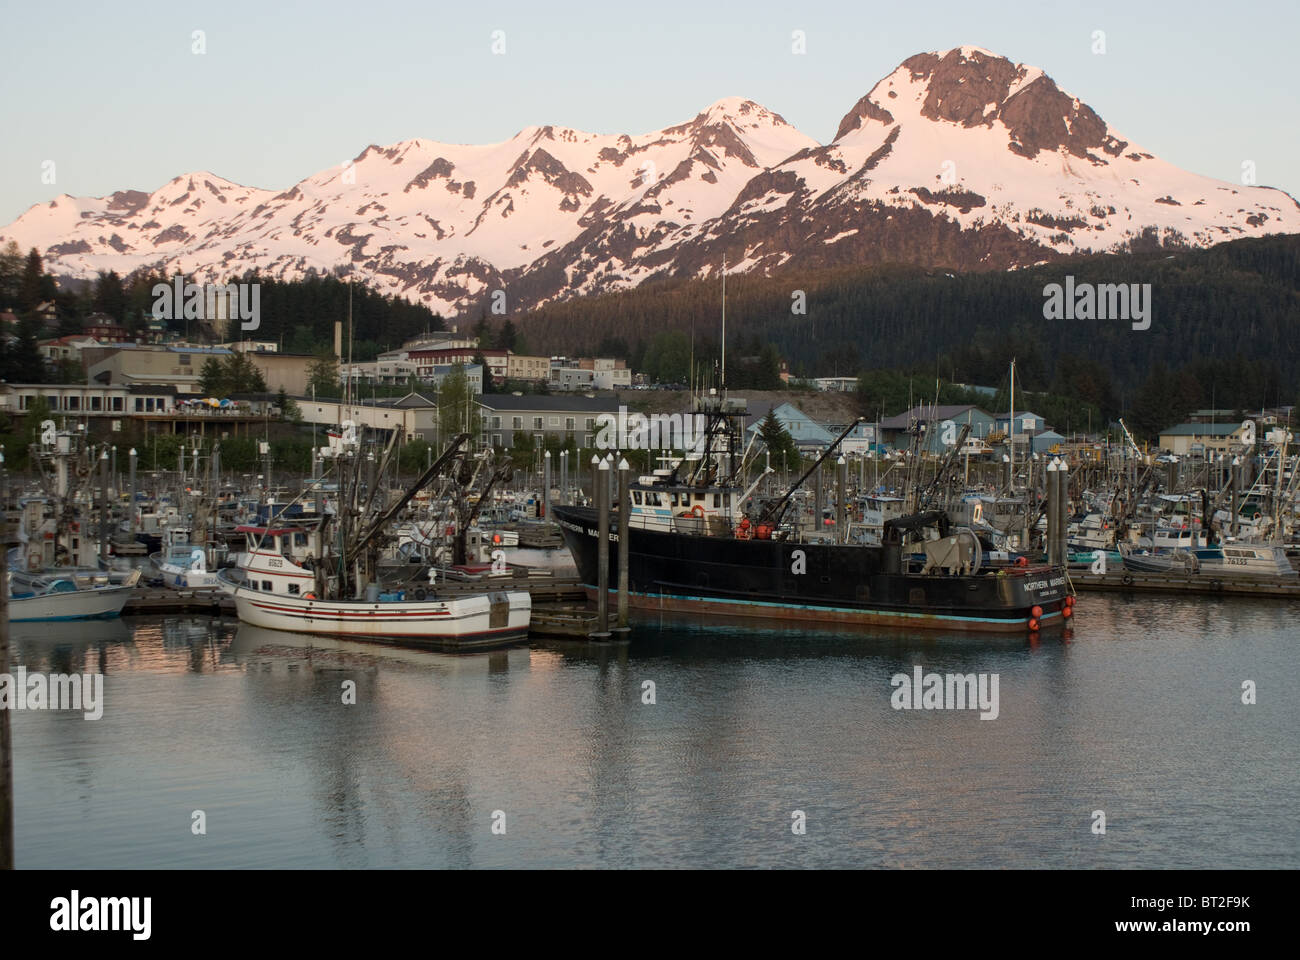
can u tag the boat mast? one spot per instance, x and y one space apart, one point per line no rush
1011 429
348 388
724 324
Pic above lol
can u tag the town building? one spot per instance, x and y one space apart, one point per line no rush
283 371
67 348
1197 439
415 415
505 414
589 373
810 437
127 364
835 384
896 431
105 329
398 372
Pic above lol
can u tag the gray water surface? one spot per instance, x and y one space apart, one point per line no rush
1139 715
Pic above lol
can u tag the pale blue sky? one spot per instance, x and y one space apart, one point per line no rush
113 94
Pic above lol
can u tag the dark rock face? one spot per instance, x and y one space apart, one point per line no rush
1040 117
439 168
864 109
553 172
961 88
127 202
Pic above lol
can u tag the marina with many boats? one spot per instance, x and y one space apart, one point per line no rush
477 551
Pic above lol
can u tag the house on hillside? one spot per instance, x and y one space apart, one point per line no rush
810 437
1197 439
896 431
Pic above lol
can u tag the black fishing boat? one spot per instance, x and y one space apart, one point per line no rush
698 544
725 575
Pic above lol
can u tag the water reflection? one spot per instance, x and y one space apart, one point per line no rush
683 746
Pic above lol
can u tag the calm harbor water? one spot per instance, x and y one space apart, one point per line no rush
1138 715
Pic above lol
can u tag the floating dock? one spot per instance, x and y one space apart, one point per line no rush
1193 584
154 601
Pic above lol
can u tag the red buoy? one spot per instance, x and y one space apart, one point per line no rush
1067 612
1037 611
1033 624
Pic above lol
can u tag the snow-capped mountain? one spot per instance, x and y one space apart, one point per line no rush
961 159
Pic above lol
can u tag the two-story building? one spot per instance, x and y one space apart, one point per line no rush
505 414
895 431
1197 439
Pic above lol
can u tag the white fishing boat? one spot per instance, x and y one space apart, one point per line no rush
184 565
1095 531
1234 560
54 596
272 589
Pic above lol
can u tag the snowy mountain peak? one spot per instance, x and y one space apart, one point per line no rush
959 158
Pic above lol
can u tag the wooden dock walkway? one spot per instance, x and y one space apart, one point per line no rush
1194 584
154 601
157 601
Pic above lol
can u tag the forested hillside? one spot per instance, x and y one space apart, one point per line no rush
1224 327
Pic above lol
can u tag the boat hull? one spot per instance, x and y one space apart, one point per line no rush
97 603
809 582
472 621
184 577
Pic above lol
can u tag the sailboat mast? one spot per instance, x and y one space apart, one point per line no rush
349 383
1011 427
724 323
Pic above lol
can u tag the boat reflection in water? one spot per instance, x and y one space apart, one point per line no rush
263 644
65 647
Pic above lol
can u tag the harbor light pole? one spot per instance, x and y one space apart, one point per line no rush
624 538
601 468
103 505
131 509
546 484
6 744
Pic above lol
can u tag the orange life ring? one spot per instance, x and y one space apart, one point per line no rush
309 596
697 511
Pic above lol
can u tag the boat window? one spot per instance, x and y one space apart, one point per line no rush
266 586
717 500
293 589
673 499
636 497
